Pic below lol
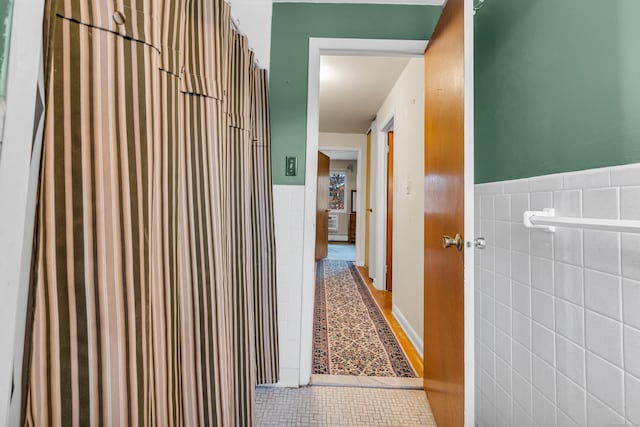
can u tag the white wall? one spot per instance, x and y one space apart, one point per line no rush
405 104
557 314
253 17
18 184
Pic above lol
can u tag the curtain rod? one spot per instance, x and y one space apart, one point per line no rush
235 26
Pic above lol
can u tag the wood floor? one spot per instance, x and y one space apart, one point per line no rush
383 298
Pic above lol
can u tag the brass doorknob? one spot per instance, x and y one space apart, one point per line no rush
448 241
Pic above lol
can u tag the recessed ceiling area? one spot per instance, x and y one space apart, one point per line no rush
352 89
340 154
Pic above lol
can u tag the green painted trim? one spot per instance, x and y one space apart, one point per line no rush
557 87
292 26
6 12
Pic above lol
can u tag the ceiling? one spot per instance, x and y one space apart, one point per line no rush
353 88
340 154
416 2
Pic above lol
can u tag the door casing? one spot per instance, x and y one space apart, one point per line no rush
333 46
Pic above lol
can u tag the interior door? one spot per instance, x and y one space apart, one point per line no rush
322 208
367 215
444 215
389 274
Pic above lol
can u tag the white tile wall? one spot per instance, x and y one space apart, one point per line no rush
559 340
288 206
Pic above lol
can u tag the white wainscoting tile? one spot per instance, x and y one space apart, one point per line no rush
503 375
521 329
542 308
521 267
569 282
604 337
631 302
502 289
601 415
600 203
625 175
631 256
547 302
544 411
632 392
516 186
603 293
568 203
522 392
543 343
567 244
572 399
570 359
520 240
570 321
588 179
606 382
542 200
542 243
602 251
519 204
632 350
521 298
521 360
630 203
486 207
503 207
546 183
542 274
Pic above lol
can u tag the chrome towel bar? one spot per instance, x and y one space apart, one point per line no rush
548 220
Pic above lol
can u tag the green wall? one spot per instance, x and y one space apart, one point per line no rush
557 86
292 25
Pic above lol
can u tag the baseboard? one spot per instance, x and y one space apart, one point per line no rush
338 238
415 339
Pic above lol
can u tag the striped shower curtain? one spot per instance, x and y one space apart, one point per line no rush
153 284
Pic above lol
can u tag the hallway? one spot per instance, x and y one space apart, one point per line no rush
351 335
341 251
342 406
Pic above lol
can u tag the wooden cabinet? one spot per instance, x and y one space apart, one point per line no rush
352 228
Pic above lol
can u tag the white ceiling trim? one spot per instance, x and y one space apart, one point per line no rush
399 2
368 47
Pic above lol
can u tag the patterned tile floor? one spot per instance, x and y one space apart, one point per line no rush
342 406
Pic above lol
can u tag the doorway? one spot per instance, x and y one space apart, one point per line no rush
354 90
374 47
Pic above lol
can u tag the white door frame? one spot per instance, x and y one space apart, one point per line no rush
19 176
318 47
361 202
371 47
469 219
381 223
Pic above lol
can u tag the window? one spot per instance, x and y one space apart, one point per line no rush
337 191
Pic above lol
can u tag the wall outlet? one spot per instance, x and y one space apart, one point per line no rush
291 166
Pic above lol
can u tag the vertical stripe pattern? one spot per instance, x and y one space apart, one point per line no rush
154 275
90 342
262 232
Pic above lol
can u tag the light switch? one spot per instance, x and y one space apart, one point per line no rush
291 166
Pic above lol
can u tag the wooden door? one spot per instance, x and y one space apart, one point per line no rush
389 274
367 212
322 208
444 215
